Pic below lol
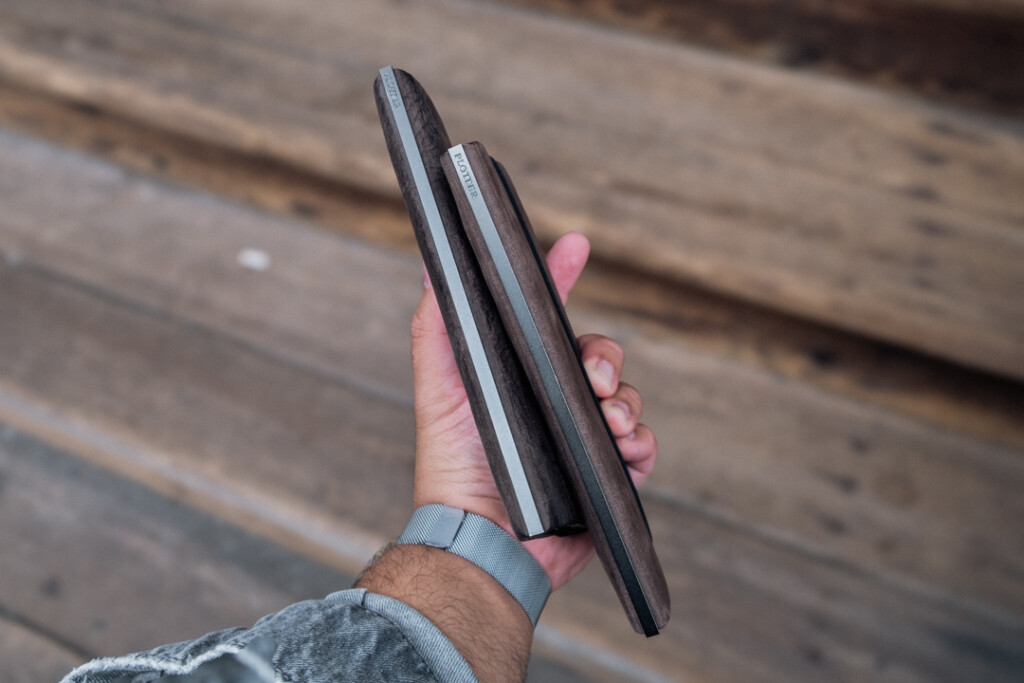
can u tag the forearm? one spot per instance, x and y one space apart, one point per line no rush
481 619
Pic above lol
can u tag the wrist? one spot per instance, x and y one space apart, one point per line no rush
489 507
475 612
474 491
486 545
561 557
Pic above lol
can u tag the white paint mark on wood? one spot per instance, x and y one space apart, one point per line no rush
254 259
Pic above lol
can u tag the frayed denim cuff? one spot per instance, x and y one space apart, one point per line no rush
351 635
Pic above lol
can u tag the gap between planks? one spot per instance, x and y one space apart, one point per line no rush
319 533
727 555
811 509
324 539
715 374
953 50
921 252
854 589
948 395
33 652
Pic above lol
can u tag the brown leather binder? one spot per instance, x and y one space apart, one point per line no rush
555 461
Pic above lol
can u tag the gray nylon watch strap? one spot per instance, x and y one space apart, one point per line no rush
487 546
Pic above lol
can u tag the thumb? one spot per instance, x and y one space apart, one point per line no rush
566 260
435 373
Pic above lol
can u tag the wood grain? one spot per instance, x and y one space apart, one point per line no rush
889 494
147 570
745 605
87 555
883 375
208 407
873 213
956 51
833 507
29 656
746 610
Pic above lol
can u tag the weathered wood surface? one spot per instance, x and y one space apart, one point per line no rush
873 213
133 337
747 610
95 565
108 566
745 606
966 51
965 401
31 657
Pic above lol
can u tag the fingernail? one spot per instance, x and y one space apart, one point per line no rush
607 372
426 278
619 407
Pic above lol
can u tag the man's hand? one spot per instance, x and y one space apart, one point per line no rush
481 619
451 466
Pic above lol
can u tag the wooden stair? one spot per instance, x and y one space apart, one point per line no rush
816 282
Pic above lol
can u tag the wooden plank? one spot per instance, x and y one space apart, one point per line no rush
256 180
225 415
874 213
961 51
131 236
146 571
888 494
746 609
968 402
920 507
209 407
29 656
947 396
109 567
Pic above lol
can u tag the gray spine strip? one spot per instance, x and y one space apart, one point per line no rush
464 313
552 386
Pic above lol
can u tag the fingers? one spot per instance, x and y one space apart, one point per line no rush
427 320
636 441
430 341
437 383
603 359
566 260
621 404
622 410
640 451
